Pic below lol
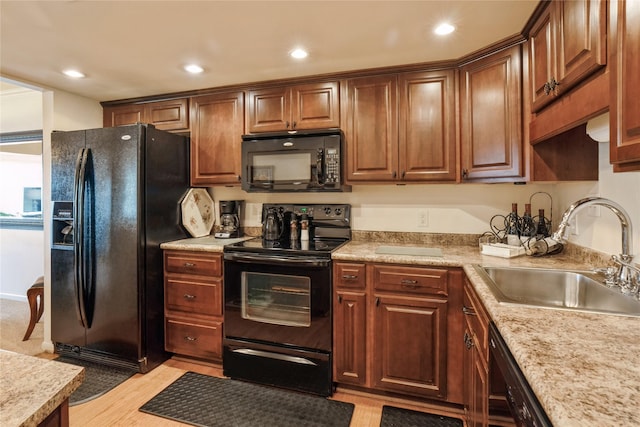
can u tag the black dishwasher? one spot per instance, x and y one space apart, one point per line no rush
524 406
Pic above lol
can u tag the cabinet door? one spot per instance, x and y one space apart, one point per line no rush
427 126
268 110
624 65
541 60
410 338
315 106
123 115
491 117
581 40
349 337
372 129
217 127
171 115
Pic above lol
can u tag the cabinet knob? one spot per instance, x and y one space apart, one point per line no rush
468 341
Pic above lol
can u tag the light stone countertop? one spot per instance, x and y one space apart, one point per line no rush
201 244
32 388
584 368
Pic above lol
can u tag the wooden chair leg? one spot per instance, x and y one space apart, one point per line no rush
33 294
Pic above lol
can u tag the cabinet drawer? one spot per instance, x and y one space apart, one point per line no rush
410 279
476 318
193 339
193 297
348 275
193 263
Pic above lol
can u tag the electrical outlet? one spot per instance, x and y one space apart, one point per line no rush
573 227
423 218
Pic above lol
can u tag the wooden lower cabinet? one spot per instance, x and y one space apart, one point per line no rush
484 387
193 304
393 326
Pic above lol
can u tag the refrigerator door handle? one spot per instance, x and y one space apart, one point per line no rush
78 214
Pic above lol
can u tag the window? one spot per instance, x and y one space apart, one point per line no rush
21 180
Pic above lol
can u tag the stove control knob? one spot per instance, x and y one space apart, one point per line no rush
327 210
338 211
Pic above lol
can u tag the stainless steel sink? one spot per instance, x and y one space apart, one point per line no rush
559 289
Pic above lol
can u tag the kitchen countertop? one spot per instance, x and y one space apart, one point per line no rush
584 368
201 244
32 388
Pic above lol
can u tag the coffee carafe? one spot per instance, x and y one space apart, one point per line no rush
229 219
272 225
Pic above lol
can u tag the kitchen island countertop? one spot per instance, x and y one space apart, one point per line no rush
584 368
32 388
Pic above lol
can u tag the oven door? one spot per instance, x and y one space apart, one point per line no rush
278 300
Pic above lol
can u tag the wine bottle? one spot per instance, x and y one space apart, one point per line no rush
513 226
528 226
542 230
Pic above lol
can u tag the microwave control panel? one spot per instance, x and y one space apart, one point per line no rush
332 165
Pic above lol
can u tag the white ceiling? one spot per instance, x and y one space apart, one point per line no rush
132 49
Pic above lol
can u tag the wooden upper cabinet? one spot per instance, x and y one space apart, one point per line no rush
568 43
216 134
309 106
427 126
624 66
491 117
371 130
169 115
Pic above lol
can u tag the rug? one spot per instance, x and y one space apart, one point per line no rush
98 379
14 319
202 400
398 417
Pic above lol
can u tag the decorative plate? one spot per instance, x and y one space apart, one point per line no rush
197 212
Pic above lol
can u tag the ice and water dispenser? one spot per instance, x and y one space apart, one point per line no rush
62 229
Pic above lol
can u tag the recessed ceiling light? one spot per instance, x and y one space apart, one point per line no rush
193 68
444 29
74 74
298 53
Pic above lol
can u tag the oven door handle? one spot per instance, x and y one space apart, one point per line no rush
277 356
278 260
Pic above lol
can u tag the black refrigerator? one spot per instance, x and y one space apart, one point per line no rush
116 196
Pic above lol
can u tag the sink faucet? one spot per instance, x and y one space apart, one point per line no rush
627 275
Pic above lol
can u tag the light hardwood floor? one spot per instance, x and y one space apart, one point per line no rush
119 407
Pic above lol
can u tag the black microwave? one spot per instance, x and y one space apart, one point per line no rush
293 161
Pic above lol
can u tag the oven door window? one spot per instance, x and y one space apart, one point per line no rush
276 298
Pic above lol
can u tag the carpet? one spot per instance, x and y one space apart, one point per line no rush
14 319
398 417
98 379
202 400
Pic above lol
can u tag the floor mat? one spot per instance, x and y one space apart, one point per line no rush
202 400
398 417
98 379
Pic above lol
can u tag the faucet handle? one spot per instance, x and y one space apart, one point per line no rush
628 275
610 274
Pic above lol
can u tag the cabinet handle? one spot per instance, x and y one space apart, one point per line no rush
349 277
189 264
339 299
287 124
294 124
239 178
403 174
189 297
409 284
188 338
468 341
394 174
377 302
468 311
465 173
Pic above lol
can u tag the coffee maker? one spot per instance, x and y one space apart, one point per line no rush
229 219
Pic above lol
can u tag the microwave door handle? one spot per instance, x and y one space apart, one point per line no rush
320 172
